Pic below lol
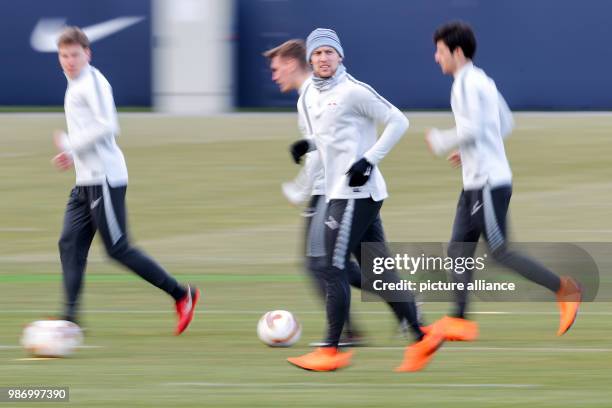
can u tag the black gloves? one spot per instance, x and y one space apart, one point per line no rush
359 173
298 149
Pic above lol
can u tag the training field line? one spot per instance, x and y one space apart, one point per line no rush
280 386
302 312
19 347
446 348
20 229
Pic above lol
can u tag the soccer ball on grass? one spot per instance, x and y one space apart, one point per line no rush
279 328
51 338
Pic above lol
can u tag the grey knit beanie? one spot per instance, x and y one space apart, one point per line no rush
321 37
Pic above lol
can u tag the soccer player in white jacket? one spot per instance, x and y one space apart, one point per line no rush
291 72
342 115
97 202
483 120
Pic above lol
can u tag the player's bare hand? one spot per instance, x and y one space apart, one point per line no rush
58 138
454 159
428 142
62 161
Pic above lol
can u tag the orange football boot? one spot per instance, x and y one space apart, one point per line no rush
454 328
569 297
418 355
185 309
323 359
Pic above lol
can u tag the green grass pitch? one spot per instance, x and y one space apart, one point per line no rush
204 199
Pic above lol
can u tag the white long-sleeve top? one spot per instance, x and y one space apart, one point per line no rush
482 120
311 178
343 121
313 169
91 118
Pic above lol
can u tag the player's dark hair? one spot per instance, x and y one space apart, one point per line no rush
294 49
73 35
457 34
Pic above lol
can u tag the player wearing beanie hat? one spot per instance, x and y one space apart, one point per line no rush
342 115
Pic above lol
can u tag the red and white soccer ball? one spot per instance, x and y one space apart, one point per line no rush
51 338
279 328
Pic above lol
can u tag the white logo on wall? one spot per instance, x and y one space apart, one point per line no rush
47 30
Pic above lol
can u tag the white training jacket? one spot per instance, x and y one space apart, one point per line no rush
482 120
343 121
311 178
91 118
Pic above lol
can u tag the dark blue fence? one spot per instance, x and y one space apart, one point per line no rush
543 54
30 77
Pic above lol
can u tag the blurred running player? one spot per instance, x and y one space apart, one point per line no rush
291 72
97 202
483 120
342 114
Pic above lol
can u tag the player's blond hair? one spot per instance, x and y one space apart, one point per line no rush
295 49
73 35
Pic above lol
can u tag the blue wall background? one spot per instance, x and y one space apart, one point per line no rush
29 77
543 54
